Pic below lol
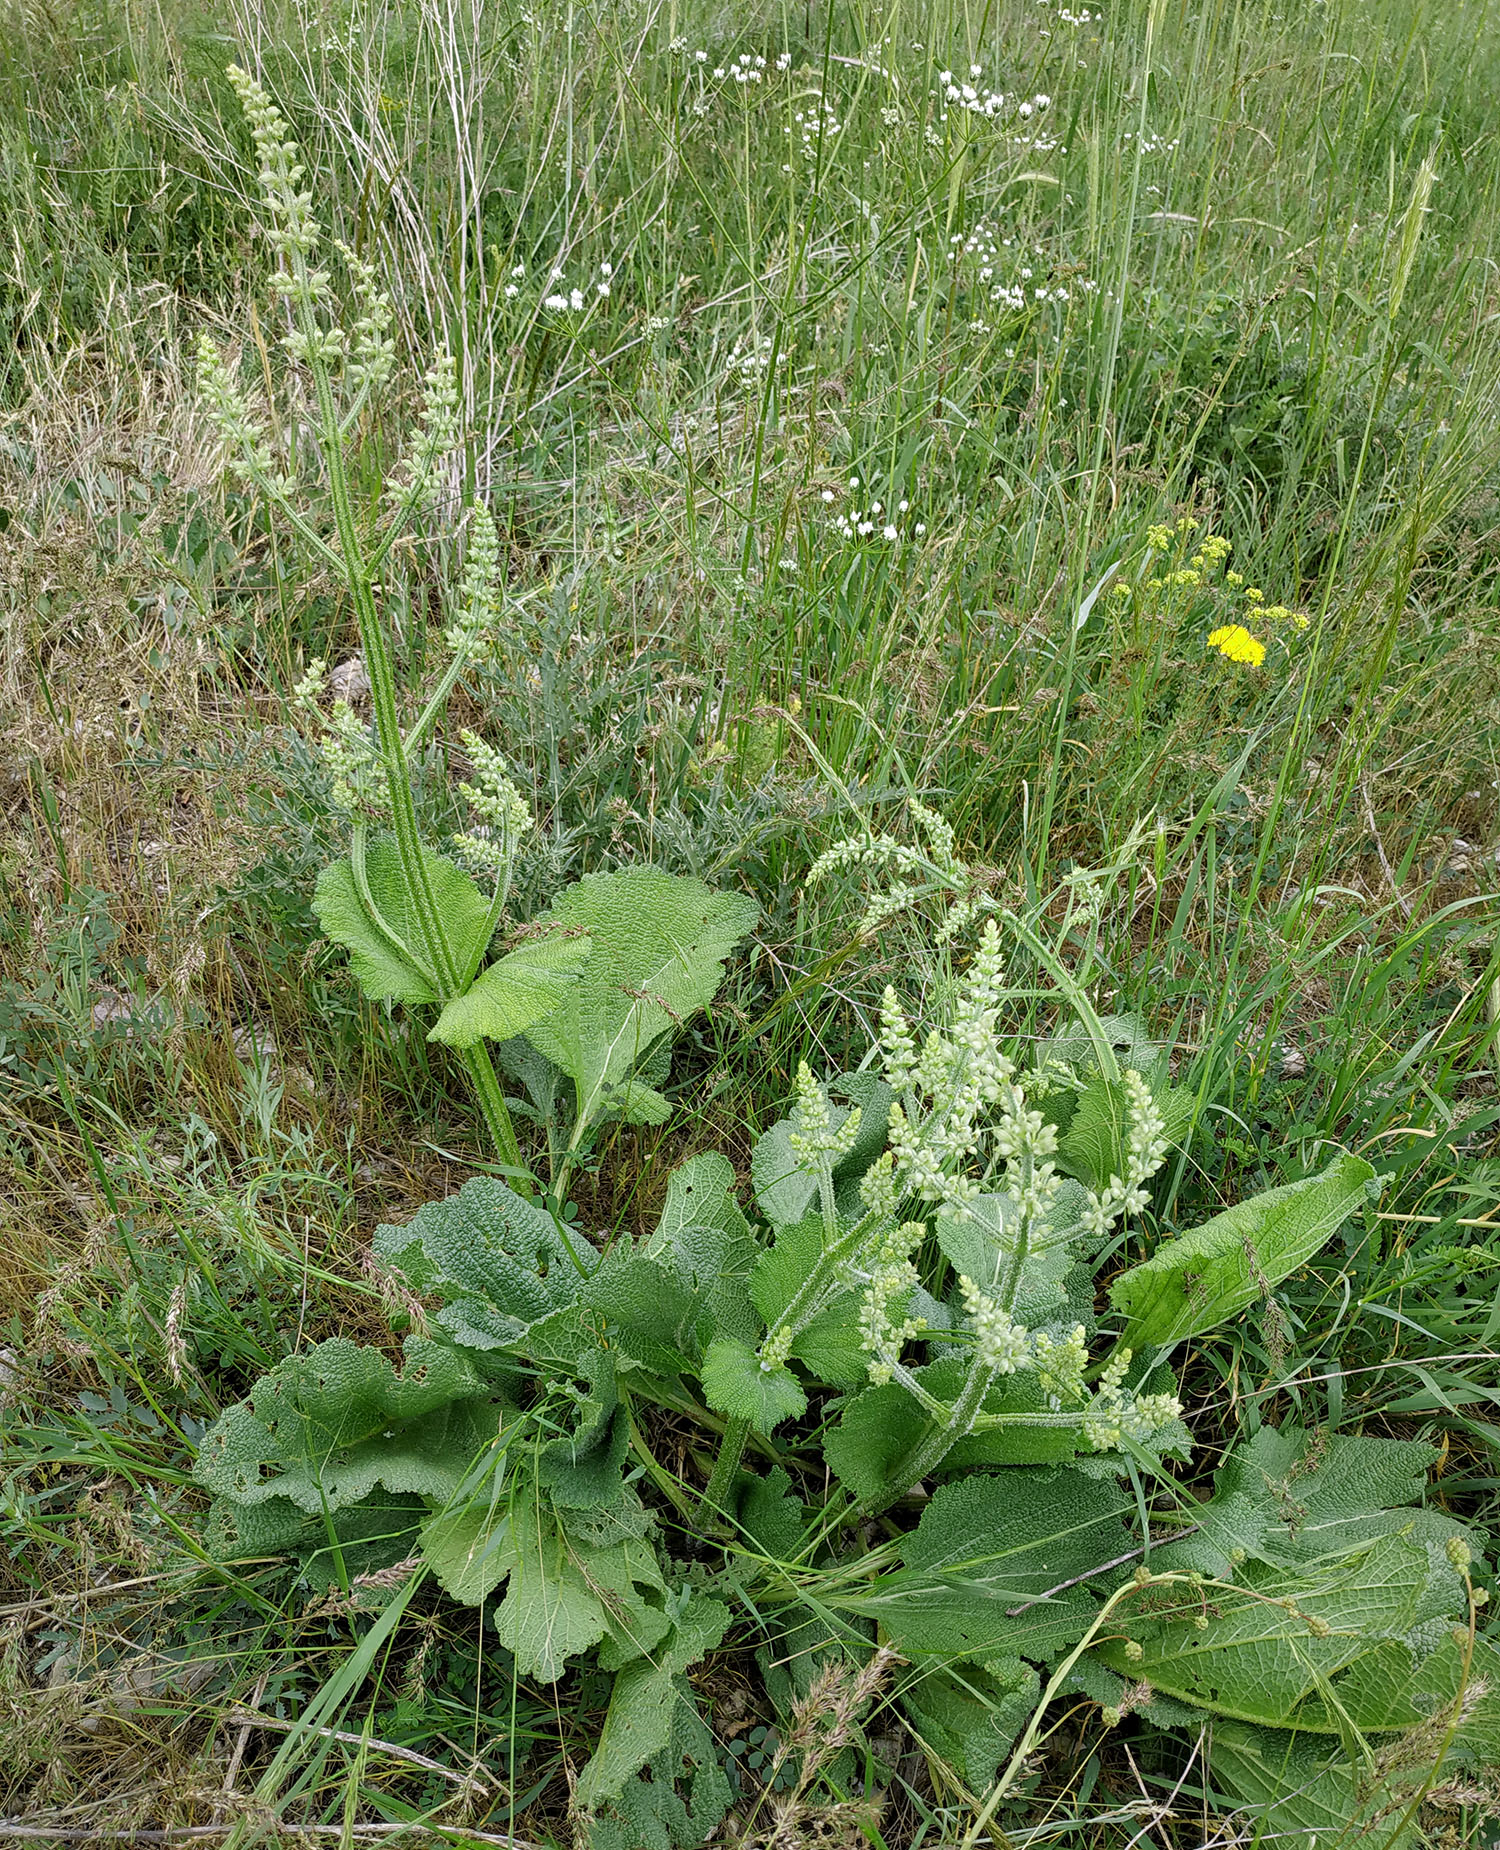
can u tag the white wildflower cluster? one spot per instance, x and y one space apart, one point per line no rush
1152 143
746 70
919 873
876 523
1146 1151
563 300
1008 275
1115 1413
750 358
814 128
472 632
963 96
501 815
889 1282
1085 16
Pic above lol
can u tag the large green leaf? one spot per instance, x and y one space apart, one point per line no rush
326 1427
1002 1565
515 991
706 1240
1259 1663
644 1703
659 943
502 1263
1299 1789
1204 1277
563 1597
385 945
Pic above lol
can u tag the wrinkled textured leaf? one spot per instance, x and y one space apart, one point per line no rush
325 1428
502 1262
376 1532
562 1598
735 1384
970 1716
985 1567
1206 1276
636 1103
384 971
517 990
659 944
707 1241
771 1516
642 1710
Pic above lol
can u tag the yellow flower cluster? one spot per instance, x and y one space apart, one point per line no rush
1235 641
1209 552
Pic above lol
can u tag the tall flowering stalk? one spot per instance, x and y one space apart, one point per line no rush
344 369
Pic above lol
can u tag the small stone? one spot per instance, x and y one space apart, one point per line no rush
1293 1062
349 682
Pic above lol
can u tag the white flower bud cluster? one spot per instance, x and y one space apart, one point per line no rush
1060 1365
917 872
879 1192
472 634
947 1086
247 446
1000 1343
308 692
437 433
372 353
1114 1414
816 1143
500 811
293 229
891 1277
1146 1151
359 786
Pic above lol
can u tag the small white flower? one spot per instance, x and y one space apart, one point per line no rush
889 532
606 269
556 301
575 298
827 494
921 528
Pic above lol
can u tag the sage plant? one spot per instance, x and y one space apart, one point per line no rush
341 365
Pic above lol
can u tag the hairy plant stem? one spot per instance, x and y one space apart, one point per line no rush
726 1465
935 1444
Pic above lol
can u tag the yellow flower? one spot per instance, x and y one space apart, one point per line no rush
1235 641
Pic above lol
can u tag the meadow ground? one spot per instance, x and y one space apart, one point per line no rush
874 403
